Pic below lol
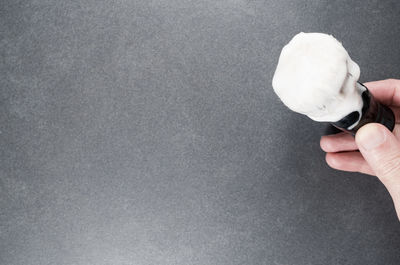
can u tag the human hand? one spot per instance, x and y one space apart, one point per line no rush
375 150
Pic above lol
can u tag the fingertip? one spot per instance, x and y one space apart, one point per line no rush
338 142
367 127
324 143
329 143
371 135
332 160
381 149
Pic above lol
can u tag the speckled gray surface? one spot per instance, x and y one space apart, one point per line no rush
146 132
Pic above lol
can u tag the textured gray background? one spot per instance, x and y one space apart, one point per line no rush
147 132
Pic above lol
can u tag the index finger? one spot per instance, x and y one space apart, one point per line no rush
385 91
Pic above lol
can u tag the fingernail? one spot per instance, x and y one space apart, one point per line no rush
371 137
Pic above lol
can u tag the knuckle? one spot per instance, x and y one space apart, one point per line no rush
389 169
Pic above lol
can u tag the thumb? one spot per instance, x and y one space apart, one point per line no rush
381 150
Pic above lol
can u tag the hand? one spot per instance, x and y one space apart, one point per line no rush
375 150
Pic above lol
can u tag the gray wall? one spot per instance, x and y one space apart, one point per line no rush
147 132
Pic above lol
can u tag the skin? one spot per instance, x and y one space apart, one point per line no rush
375 150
